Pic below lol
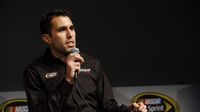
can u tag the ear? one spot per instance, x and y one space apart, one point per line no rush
46 38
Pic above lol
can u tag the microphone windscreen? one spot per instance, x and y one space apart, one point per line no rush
75 50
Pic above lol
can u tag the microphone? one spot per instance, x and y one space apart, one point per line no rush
75 51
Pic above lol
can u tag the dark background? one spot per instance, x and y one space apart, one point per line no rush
139 42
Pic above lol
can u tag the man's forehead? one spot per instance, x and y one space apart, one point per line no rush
60 21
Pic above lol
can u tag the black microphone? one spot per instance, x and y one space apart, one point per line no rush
75 51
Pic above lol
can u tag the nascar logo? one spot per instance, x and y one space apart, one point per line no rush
14 105
157 102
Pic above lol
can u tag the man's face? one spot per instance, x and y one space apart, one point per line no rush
63 35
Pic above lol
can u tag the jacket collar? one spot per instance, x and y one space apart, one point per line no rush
50 59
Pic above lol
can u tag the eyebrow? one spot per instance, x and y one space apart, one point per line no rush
64 27
61 28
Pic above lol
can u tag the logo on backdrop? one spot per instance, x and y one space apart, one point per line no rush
14 105
157 102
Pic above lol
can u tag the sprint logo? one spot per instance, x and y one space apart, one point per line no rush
157 102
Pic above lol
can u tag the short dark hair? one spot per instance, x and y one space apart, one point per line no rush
45 22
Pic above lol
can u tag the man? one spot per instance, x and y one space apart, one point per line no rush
50 82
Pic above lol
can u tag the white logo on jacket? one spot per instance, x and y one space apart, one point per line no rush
51 75
85 70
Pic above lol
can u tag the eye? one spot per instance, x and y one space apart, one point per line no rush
71 27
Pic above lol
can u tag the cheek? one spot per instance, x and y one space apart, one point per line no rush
59 38
57 41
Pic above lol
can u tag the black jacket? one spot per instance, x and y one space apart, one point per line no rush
48 91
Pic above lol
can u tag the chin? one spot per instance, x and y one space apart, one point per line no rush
69 49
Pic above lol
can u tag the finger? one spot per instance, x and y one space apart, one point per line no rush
77 66
141 106
136 105
144 110
78 58
140 103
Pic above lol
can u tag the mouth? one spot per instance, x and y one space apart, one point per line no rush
70 43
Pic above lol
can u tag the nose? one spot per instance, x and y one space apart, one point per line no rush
69 33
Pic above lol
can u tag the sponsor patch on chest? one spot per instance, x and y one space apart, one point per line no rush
87 70
50 75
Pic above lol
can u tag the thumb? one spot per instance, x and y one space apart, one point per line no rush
136 105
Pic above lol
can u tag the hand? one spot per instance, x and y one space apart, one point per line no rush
138 107
73 63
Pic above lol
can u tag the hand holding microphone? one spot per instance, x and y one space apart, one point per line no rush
73 64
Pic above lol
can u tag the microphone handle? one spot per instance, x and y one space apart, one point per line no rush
75 75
